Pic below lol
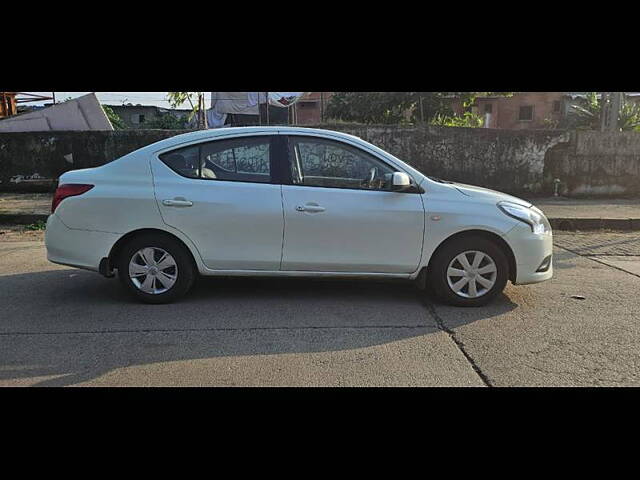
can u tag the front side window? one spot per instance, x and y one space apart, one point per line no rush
325 163
240 159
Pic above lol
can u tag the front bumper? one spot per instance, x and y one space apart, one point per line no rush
530 251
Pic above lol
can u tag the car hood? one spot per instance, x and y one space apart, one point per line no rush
487 194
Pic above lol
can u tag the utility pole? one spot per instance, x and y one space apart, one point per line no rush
202 112
604 110
611 103
616 103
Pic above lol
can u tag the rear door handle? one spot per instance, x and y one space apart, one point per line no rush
177 203
310 208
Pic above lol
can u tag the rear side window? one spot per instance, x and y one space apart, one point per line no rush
183 161
239 160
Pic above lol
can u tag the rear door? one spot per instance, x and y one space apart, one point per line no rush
224 196
340 215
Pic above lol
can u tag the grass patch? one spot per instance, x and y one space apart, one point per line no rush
39 225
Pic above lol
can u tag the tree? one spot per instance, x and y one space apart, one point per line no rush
467 119
586 114
403 107
178 98
369 107
168 121
114 118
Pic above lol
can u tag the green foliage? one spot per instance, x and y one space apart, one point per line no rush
39 225
177 99
114 118
468 119
402 107
585 115
369 107
167 122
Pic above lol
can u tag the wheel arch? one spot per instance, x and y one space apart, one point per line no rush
117 247
493 237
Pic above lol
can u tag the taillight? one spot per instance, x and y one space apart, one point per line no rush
68 190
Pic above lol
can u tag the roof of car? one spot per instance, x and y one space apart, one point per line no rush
230 131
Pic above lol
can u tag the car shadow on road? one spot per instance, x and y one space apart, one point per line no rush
71 326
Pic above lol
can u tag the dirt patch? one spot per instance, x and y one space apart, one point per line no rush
20 233
26 203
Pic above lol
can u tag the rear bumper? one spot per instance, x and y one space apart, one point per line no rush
76 248
530 251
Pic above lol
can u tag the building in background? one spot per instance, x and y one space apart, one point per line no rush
137 116
527 110
310 110
521 111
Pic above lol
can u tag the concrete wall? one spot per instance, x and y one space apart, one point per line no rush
505 160
33 161
518 162
596 164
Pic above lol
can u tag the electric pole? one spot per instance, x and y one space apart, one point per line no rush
616 103
604 110
611 103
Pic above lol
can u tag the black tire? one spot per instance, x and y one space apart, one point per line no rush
185 269
439 265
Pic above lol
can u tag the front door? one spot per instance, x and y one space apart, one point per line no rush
340 215
220 194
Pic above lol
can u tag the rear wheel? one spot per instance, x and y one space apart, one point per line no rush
155 268
468 271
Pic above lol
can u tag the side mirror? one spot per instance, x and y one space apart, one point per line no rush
400 181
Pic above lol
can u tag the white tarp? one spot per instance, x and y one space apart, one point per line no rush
245 103
284 99
80 114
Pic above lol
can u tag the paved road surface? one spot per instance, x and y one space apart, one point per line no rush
60 326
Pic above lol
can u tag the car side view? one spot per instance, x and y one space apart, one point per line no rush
285 201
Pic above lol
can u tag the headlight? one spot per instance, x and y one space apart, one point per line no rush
531 216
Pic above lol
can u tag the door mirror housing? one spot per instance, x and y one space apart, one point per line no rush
400 182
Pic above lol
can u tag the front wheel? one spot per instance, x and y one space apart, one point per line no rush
469 272
155 268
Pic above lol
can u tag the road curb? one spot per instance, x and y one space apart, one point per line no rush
573 224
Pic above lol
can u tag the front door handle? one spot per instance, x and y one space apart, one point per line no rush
310 208
177 203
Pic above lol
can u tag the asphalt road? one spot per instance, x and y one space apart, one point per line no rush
61 326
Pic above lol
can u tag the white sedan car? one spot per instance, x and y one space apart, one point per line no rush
284 201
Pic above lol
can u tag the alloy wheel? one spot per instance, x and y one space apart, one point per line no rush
471 274
153 270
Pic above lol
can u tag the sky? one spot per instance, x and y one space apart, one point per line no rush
118 98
